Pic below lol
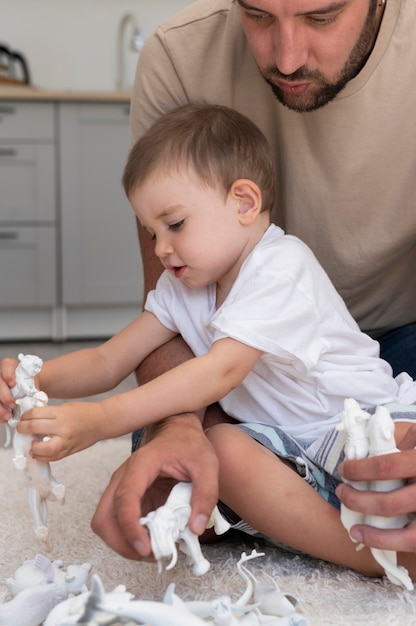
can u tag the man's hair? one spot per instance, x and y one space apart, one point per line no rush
217 143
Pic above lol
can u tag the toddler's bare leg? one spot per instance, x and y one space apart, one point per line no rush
270 496
400 431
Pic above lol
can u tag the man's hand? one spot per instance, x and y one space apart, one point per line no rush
387 504
179 452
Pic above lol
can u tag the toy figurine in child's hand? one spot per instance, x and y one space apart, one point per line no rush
17 380
42 486
29 367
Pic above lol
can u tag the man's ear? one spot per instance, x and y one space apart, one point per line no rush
248 195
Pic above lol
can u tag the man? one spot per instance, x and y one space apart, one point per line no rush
329 82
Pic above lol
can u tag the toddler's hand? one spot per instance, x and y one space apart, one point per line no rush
7 381
61 430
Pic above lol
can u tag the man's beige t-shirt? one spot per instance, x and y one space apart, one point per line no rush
346 173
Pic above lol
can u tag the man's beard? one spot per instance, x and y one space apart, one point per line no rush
325 91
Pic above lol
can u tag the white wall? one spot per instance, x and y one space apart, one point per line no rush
72 44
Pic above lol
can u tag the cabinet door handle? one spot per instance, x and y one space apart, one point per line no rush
9 235
7 110
8 152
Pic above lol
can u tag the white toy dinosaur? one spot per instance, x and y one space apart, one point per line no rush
168 525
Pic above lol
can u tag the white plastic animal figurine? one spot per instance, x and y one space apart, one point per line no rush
382 441
272 606
96 606
23 443
353 421
222 612
169 524
33 572
372 435
42 486
268 599
71 610
29 366
31 606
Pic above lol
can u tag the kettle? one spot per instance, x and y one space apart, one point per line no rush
13 65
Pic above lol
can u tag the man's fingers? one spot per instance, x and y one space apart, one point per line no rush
106 520
128 513
383 467
204 496
400 540
385 504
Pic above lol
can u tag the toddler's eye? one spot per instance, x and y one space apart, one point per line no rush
176 225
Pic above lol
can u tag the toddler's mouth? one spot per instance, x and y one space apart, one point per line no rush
179 270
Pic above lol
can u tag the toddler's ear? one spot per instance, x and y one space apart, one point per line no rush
248 195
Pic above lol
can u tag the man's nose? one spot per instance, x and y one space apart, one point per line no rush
291 49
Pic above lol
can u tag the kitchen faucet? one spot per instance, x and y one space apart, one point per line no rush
136 43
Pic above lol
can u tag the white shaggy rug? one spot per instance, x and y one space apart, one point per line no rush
327 595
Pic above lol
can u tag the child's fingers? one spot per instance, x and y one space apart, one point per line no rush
6 412
7 371
39 422
50 449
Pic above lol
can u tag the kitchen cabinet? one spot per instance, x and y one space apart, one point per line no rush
27 215
101 265
70 264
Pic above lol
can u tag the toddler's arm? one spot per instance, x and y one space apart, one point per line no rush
93 370
186 388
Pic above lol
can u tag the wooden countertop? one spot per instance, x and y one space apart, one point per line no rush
24 92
